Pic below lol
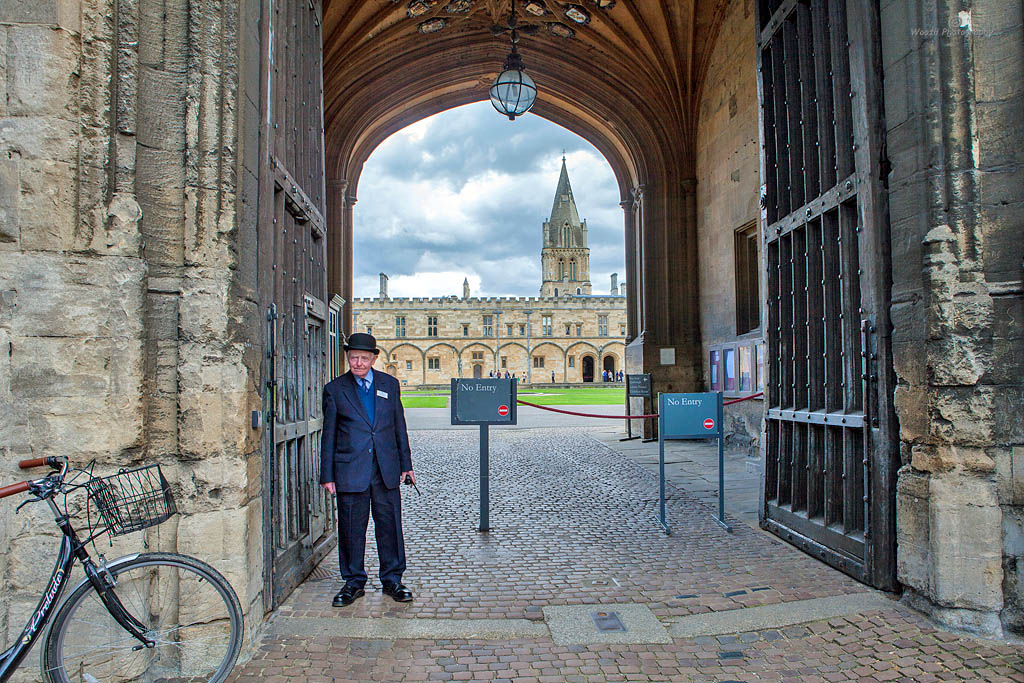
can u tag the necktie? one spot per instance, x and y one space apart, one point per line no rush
366 397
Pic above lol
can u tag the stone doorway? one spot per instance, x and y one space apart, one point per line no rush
588 368
609 367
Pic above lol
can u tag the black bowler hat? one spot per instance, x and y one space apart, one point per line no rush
360 341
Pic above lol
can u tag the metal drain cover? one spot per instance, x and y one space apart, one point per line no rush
607 621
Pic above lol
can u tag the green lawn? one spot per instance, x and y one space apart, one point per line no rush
584 396
415 401
546 397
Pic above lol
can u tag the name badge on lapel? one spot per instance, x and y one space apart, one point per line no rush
382 394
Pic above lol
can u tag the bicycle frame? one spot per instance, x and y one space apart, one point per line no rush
71 548
11 658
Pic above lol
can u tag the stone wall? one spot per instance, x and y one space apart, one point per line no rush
127 333
954 101
728 187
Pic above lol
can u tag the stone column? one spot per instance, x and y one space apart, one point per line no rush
336 188
954 139
348 230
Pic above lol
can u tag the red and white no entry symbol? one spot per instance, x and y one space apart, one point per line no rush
709 423
503 410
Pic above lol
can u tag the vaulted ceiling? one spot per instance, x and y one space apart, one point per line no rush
624 74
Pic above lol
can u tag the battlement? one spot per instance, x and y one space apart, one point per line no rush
481 302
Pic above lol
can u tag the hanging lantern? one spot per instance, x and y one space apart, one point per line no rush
513 91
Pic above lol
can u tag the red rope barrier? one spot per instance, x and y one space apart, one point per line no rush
745 398
621 417
572 412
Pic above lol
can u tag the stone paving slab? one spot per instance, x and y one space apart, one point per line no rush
574 624
574 526
778 616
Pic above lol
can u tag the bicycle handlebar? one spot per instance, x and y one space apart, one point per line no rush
49 461
12 489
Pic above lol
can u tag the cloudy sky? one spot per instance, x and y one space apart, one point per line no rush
465 193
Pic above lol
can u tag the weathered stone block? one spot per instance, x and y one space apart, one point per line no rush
42 71
219 537
63 13
1001 227
998 131
47 211
895 86
999 58
10 190
962 415
161 114
46 138
896 37
913 539
78 298
957 360
1013 531
1001 186
1017 475
912 409
966 539
1007 402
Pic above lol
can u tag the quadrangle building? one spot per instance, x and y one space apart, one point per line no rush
567 334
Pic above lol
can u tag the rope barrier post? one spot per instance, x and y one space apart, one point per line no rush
637 386
661 468
629 422
721 467
485 480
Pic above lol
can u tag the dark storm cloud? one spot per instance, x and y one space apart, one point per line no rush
464 194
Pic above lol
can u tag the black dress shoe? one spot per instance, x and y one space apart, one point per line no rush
398 592
347 595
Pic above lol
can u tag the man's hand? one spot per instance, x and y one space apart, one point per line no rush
410 475
330 487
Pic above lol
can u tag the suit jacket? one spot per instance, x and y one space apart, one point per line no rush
350 444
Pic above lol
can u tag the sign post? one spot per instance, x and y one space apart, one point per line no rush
636 386
691 416
484 402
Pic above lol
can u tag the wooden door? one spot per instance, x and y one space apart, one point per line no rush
830 452
298 516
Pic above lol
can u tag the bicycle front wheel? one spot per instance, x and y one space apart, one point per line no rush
188 609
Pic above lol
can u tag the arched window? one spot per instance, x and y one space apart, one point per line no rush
572 269
556 294
561 269
565 235
579 291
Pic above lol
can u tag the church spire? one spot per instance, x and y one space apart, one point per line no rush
563 209
565 256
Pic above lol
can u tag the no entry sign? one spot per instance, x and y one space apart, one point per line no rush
483 401
693 416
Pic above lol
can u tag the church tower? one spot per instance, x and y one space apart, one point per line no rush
564 256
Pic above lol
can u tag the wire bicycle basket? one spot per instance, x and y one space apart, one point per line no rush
132 500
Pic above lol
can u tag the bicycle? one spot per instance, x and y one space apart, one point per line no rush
144 617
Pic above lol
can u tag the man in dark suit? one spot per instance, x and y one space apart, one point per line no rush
364 458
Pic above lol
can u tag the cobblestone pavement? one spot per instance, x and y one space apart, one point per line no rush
574 523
